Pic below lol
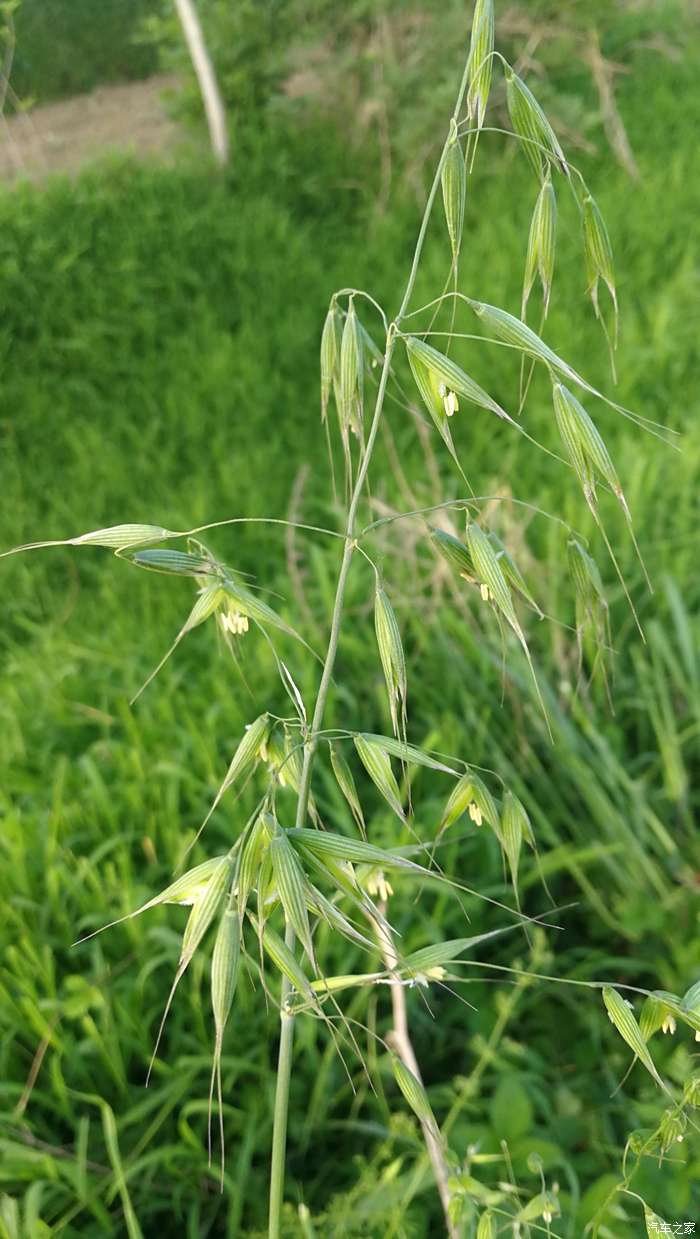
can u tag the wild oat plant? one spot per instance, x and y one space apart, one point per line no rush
265 896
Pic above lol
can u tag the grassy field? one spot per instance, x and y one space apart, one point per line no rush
64 49
159 357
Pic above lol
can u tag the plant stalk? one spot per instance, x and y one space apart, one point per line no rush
279 1131
279 1137
400 1039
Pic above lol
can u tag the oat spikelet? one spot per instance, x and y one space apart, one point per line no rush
494 588
184 890
437 376
330 354
415 1095
487 1226
454 552
622 1016
541 246
350 387
471 794
480 60
203 912
346 783
248 751
376 762
598 257
454 193
289 877
392 659
224 975
531 124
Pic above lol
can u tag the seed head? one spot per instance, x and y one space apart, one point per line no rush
253 852
204 909
486 1227
622 1017
480 60
531 124
414 1093
392 658
291 883
346 783
541 246
454 192
514 332
454 552
585 447
185 890
585 575
691 1092
490 574
672 1128
331 337
512 832
470 794
351 381
376 762
120 537
287 963
179 563
597 252
224 975
437 376
512 572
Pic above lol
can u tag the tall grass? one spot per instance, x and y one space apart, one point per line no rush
94 797
65 49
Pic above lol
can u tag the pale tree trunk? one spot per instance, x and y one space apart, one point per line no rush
211 95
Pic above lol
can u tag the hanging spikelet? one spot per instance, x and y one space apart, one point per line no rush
454 193
346 783
376 762
415 1095
539 141
598 257
392 659
331 337
541 245
350 383
470 794
204 910
480 60
224 975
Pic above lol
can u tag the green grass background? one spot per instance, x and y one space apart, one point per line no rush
158 350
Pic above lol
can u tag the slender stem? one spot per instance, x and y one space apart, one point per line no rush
400 1039
279 1132
279 1138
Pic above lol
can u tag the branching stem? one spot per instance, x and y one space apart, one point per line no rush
284 1066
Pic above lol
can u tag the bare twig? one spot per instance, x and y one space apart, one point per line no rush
204 69
400 1040
34 1070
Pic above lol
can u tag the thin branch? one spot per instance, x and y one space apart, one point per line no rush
206 77
400 1040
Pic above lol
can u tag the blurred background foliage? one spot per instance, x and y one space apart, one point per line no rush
159 344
